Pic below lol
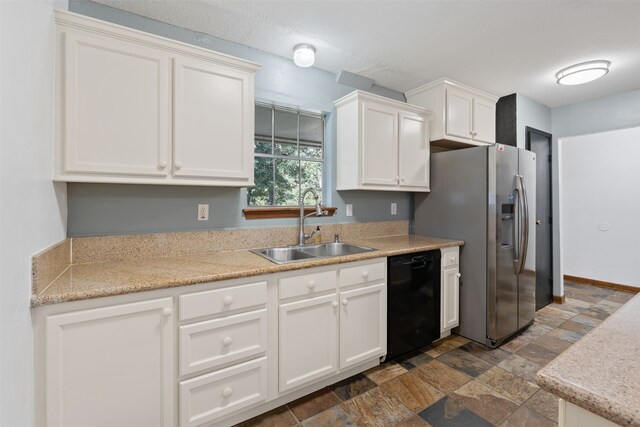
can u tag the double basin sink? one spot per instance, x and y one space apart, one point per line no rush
289 254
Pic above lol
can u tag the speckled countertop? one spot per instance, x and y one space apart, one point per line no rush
100 279
601 372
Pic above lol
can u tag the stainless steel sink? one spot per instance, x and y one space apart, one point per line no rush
305 253
334 249
283 255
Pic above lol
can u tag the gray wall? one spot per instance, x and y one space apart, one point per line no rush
533 114
99 209
618 111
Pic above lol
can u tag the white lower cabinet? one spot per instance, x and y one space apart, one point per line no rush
363 320
209 397
241 345
571 415
111 366
308 340
450 289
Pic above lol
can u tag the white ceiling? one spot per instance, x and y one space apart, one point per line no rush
500 47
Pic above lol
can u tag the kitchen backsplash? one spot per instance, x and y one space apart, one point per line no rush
49 264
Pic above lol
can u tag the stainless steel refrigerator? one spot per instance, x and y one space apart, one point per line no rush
485 196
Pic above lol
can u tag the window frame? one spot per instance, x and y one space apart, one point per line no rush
299 158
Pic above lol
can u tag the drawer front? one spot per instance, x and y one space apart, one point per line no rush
450 256
223 300
363 273
215 342
307 284
210 397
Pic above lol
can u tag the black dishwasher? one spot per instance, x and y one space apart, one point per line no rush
413 295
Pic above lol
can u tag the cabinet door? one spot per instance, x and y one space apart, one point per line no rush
450 298
111 366
116 108
458 113
308 340
484 120
379 139
213 122
363 320
413 151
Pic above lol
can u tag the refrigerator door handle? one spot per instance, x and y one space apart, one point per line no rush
517 230
524 225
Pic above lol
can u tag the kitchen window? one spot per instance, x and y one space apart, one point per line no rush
288 156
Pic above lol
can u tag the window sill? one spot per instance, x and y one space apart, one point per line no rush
280 212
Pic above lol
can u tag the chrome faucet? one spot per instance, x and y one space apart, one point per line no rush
302 237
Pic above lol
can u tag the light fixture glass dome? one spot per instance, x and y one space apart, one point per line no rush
304 55
582 73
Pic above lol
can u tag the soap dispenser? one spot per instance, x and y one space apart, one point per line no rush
318 236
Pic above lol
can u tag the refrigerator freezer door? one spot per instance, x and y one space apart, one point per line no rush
527 278
502 285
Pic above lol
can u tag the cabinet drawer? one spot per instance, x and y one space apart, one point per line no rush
223 300
215 342
363 273
209 397
307 284
450 257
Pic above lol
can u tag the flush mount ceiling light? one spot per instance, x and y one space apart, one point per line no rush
304 55
582 73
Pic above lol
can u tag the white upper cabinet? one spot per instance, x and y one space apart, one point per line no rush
382 144
212 105
138 108
462 116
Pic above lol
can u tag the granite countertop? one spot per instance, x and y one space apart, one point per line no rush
601 372
101 279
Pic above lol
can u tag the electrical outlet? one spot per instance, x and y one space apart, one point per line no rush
203 212
349 210
394 208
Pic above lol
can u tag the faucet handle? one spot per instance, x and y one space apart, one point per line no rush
336 238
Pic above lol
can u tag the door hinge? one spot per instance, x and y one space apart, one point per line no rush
550 220
549 158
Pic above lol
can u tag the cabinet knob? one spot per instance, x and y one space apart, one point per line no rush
167 312
365 274
311 284
163 164
345 301
228 300
334 304
227 341
178 165
458 275
227 392
453 259
402 179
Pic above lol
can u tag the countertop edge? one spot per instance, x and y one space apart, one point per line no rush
593 399
605 408
38 300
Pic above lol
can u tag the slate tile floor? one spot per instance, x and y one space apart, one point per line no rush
456 382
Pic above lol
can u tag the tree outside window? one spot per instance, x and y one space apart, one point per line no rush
288 155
